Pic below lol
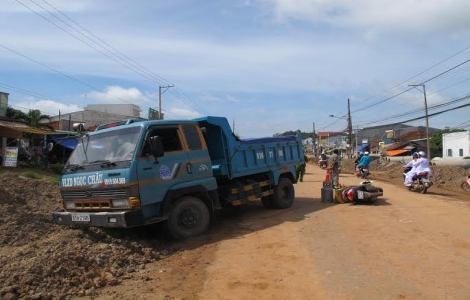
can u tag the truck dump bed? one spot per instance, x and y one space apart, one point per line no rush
232 157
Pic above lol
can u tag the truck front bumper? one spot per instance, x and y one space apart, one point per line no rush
120 219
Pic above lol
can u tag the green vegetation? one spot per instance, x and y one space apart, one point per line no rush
57 168
55 180
32 175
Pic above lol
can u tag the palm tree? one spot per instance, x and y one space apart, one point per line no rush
34 117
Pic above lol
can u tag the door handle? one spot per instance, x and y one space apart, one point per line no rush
148 168
189 168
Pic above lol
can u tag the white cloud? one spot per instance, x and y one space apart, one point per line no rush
418 15
212 98
47 107
181 113
120 95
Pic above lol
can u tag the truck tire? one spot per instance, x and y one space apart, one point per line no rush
284 194
189 217
267 201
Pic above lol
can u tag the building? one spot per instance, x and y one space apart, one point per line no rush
96 114
331 139
456 144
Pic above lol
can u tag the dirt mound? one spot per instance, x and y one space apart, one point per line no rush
41 260
445 177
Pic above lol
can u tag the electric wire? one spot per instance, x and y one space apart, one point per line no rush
130 64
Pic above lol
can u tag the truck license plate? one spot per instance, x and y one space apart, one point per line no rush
80 218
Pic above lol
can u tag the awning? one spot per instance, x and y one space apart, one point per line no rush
24 128
68 142
396 152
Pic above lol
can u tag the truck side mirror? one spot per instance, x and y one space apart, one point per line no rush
157 146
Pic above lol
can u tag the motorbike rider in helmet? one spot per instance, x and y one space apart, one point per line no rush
359 156
364 162
423 165
323 155
411 173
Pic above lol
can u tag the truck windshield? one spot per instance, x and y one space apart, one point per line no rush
112 146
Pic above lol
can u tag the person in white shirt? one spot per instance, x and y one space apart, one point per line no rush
409 175
423 164
419 165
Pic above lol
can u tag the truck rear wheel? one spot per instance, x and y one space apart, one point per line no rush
284 194
189 217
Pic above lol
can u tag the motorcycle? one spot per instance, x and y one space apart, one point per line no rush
420 182
361 171
465 185
323 163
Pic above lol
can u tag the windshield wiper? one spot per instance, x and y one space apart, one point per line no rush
104 163
73 167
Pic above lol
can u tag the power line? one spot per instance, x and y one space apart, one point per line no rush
34 94
61 73
132 65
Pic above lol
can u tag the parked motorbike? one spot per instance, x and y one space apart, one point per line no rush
420 183
361 171
465 185
323 164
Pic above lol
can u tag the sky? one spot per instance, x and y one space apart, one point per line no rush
268 66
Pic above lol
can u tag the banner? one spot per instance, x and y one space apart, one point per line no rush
10 157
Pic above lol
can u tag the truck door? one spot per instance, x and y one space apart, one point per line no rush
200 163
157 176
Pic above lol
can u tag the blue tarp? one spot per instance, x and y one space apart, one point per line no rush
68 142
362 147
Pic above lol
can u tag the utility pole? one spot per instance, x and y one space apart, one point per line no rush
428 146
314 148
350 129
160 98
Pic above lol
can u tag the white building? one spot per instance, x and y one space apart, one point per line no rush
128 111
456 144
97 114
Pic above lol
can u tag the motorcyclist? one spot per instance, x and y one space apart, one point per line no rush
356 162
423 164
364 162
323 156
411 173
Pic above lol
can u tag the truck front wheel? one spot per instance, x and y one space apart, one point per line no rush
189 217
284 194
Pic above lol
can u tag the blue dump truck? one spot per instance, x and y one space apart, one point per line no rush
138 172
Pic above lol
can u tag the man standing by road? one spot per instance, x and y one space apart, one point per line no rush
333 165
300 169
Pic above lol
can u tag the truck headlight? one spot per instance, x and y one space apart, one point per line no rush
69 204
119 203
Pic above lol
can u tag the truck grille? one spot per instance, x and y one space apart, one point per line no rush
110 193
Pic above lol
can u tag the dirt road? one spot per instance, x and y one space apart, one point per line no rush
406 246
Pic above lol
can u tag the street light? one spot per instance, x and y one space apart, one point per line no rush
428 147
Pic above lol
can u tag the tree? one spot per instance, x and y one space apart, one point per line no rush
34 117
305 135
435 142
15 114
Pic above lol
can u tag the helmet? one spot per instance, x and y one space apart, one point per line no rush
415 154
361 153
422 153
323 152
366 153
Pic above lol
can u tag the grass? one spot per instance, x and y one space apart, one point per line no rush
32 175
55 179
